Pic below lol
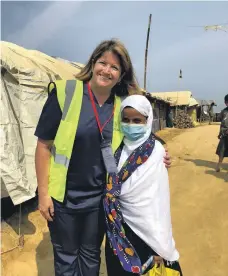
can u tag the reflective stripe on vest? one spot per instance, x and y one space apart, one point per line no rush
69 92
70 95
59 158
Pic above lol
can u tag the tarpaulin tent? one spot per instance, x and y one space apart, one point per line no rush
176 98
25 75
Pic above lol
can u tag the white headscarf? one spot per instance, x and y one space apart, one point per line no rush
145 197
143 106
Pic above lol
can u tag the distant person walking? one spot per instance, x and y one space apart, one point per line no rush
210 113
222 149
170 118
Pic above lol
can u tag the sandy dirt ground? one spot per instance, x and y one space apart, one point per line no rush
199 201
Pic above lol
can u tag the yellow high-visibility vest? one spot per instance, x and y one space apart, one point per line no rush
70 94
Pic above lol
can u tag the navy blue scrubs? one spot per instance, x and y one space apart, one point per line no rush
78 227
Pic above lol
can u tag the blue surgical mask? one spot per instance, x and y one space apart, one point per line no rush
133 132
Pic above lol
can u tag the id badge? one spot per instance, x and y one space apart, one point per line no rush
108 157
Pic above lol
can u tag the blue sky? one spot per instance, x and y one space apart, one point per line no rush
72 30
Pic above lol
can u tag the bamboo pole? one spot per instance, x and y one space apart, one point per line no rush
146 51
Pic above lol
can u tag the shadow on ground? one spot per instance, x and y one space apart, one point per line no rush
11 215
44 257
223 174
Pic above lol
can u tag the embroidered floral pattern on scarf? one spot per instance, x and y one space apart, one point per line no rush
113 216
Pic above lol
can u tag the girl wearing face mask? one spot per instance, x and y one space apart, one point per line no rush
137 199
79 117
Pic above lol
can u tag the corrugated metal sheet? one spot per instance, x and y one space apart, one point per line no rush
212 101
202 102
206 102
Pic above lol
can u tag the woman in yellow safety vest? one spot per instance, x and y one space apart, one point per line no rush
78 131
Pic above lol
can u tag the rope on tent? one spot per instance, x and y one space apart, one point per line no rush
20 236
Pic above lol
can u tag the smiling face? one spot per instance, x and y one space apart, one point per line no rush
106 71
132 116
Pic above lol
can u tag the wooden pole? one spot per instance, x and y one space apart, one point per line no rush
179 81
146 52
179 86
201 110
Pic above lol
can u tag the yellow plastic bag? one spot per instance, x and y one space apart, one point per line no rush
162 271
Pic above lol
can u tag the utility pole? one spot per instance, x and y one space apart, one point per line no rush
179 81
146 51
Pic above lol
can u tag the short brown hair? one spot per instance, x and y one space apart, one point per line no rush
128 84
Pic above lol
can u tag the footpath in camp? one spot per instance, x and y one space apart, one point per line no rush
199 205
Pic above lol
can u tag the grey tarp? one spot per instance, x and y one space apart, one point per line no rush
25 75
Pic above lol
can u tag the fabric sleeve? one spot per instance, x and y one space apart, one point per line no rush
50 118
